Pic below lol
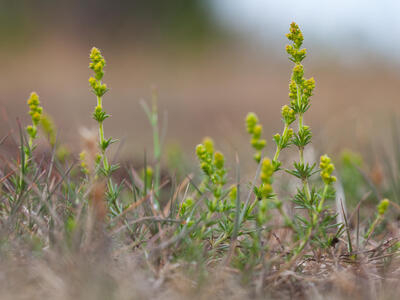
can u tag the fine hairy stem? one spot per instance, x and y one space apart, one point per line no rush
152 115
101 136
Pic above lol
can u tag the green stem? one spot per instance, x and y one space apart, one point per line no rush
301 154
101 136
321 202
157 155
372 227
223 238
278 151
278 148
305 240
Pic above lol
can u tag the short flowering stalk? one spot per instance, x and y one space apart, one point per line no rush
222 200
326 174
212 163
83 163
152 115
283 141
99 89
35 111
255 129
381 209
264 192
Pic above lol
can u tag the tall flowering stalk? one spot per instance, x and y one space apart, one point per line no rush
35 111
310 199
99 89
301 89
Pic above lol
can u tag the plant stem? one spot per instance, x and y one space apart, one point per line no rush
321 202
301 154
157 154
372 227
101 137
278 147
305 240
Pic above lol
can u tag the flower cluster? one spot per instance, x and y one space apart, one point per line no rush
300 89
48 127
267 170
97 65
284 140
35 111
255 129
212 163
383 206
326 170
83 164
99 89
264 192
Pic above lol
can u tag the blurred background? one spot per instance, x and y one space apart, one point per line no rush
209 63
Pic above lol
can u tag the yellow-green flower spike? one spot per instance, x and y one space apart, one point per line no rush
255 129
383 206
186 205
35 111
97 65
201 151
298 73
267 170
208 144
326 170
295 35
300 89
47 124
251 122
292 90
308 87
213 166
84 166
288 115
219 160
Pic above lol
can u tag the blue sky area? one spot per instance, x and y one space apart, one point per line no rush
345 26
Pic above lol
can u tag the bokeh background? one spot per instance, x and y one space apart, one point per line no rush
209 62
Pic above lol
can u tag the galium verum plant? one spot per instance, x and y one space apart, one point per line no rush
309 198
99 89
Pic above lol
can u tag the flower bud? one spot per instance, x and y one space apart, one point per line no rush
208 144
326 169
298 73
200 150
257 131
382 206
288 115
251 122
219 160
